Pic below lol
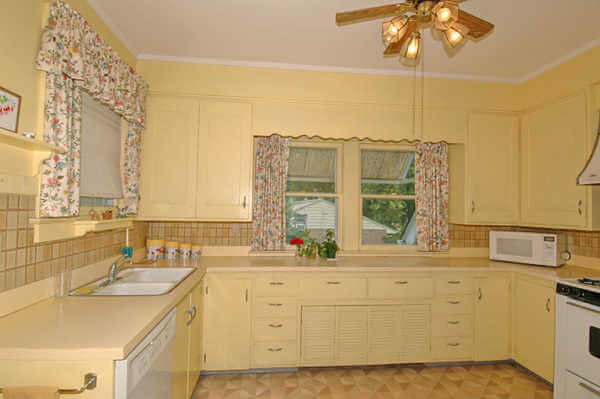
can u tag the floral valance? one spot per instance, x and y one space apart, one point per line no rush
70 46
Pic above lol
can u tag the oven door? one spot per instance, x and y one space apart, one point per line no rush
583 337
578 388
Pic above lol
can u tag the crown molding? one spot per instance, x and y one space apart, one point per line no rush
320 68
113 27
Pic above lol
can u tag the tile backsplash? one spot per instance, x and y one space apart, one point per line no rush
207 234
22 262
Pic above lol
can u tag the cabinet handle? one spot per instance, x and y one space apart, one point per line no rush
276 283
580 207
244 202
275 349
454 345
589 388
192 313
276 325
480 294
246 295
453 302
334 283
454 322
400 282
548 305
454 282
276 304
473 207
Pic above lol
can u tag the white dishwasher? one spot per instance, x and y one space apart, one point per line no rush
147 372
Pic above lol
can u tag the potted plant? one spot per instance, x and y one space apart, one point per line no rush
328 248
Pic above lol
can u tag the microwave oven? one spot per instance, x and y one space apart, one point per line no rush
531 248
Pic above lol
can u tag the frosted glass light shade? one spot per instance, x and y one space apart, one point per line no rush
413 46
394 29
445 14
456 34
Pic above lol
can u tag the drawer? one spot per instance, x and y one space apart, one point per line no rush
270 354
275 330
275 307
334 287
449 305
452 326
276 287
454 285
452 348
400 287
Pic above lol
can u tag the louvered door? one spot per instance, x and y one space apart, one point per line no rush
351 335
318 335
385 334
416 333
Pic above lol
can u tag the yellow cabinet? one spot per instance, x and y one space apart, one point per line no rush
351 335
169 158
553 154
224 189
196 338
492 170
385 334
534 326
227 321
318 336
492 319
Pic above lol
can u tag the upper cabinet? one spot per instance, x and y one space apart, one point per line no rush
197 160
554 151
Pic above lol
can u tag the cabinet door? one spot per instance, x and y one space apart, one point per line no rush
493 168
385 334
169 158
351 335
554 152
492 319
534 327
416 333
318 336
225 162
196 353
181 351
227 321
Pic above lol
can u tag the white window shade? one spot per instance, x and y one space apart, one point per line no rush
100 151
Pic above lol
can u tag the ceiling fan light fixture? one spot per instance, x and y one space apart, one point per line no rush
394 29
412 47
456 34
446 14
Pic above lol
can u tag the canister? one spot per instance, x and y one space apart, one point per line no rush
172 249
185 250
196 251
154 249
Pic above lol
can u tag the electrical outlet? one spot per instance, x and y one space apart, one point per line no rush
127 252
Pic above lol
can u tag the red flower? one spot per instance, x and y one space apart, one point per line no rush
296 241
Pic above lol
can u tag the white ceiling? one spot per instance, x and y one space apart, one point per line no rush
530 35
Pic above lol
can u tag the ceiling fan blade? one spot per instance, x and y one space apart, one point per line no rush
477 26
366 14
395 48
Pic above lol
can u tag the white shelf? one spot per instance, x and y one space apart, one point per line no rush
17 140
50 229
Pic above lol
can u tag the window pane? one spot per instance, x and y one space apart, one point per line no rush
388 172
313 214
312 170
388 222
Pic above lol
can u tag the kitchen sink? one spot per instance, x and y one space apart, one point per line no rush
137 281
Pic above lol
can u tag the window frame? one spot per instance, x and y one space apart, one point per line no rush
391 148
338 147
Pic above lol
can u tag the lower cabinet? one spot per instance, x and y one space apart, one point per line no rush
492 318
188 345
353 335
534 310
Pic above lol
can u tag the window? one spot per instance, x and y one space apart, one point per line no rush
312 199
388 198
100 151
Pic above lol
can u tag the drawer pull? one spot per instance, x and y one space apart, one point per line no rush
400 282
334 283
454 345
275 349
589 388
453 302
453 282
276 304
276 325
276 283
454 322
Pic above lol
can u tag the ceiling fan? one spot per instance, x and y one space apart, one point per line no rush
401 33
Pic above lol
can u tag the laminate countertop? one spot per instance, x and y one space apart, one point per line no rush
94 327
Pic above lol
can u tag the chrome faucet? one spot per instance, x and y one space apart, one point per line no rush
115 268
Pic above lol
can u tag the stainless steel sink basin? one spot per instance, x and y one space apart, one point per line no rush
137 281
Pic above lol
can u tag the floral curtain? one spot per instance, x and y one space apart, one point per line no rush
72 51
431 186
271 170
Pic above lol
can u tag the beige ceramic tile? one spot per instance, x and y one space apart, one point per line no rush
21 257
11 239
3 201
13 201
12 220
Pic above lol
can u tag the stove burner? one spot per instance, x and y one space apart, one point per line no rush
590 281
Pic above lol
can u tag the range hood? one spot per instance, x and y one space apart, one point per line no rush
591 171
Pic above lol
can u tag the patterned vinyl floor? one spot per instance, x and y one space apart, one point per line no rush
406 382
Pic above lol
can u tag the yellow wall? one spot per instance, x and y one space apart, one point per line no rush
21 31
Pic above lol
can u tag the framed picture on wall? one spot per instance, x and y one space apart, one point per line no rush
10 107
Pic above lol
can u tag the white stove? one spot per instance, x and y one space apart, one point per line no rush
577 356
